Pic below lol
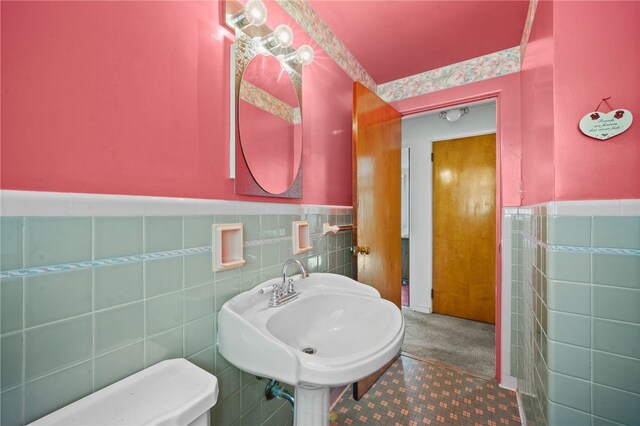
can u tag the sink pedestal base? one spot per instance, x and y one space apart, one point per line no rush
311 406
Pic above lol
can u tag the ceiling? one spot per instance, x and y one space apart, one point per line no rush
395 39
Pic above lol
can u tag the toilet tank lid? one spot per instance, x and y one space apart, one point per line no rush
172 392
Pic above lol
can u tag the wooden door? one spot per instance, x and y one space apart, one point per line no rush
377 172
464 227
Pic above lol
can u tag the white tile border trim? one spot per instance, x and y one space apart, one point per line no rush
35 203
627 207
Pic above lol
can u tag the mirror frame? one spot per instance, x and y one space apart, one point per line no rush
245 182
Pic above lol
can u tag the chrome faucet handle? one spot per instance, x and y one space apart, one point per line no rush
290 288
275 293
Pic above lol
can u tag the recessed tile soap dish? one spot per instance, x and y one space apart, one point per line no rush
301 241
227 246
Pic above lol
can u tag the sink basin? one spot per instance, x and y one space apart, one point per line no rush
348 329
337 331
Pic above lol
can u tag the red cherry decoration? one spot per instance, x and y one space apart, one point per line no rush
595 116
619 114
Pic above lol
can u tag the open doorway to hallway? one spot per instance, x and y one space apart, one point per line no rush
441 251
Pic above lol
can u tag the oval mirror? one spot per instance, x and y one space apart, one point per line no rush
270 126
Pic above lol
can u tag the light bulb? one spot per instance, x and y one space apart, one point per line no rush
283 36
255 12
454 115
304 55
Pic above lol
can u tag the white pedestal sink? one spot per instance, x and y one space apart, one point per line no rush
336 332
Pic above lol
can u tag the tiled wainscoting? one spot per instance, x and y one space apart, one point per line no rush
88 300
575 323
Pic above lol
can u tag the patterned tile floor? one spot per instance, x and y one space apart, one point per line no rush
413 393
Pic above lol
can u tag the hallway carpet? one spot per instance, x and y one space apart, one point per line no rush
463 344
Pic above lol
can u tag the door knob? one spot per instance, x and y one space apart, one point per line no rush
360 250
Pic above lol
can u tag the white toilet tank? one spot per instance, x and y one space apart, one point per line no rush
173 392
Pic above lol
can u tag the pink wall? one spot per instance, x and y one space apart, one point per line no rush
507 91
132 98
579 53
536 77
597 54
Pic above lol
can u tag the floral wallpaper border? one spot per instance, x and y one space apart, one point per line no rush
267 102
304 15
481 68
533 4
465 72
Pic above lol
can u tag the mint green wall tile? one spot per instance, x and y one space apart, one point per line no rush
163 346
221 363
568 266
249 279
162 233
118 327
569 391
250 227
285 251
51 297
616 371
569 328
569 231
198 231
270 273
252 392
11 229
231 218
53 392
252 258
11 357
204 359
198 335
269 226
561 415
117 236
225 290
270 255
163 313
616 303
269 408
616 405
285 224
228 382
599 421
251 416
163 275
118 284
225 412
616 337
616 232
55 240
227 273
569 297
118 364
11 304
570 360
199 301
198 269
618 270
11 413
285 417
58 345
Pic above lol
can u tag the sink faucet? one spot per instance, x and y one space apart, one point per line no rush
284 291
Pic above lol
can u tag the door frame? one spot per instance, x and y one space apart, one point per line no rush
495 96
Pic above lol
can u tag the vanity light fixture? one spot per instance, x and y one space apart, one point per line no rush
253 13
454 114
281 37
304 55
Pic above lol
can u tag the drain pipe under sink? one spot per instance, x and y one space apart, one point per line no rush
276 390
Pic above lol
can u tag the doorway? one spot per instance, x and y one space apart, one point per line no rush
457 336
